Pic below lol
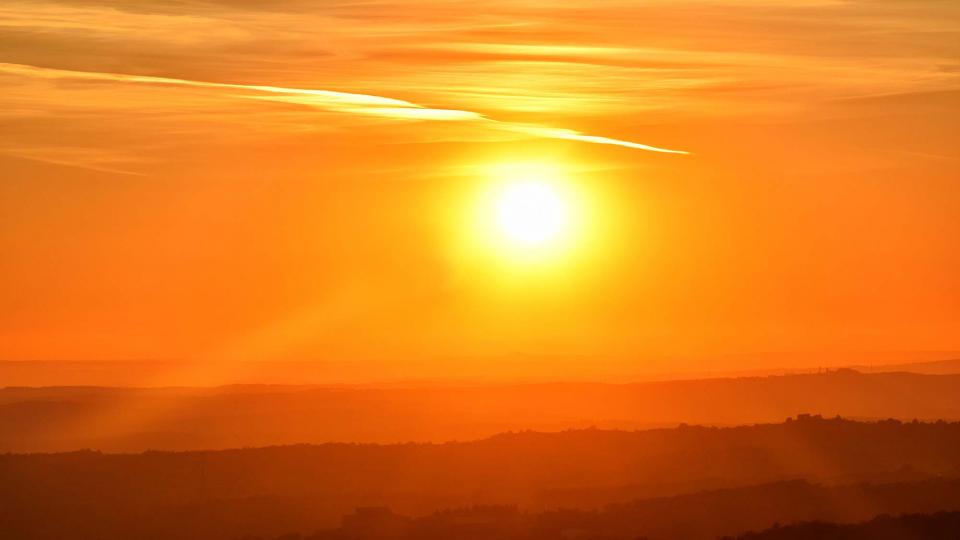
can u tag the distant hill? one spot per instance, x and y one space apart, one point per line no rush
160 373
302 488
132 419
936 367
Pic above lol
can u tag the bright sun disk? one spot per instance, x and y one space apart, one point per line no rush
531 213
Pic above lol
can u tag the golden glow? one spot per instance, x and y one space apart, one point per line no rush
337 196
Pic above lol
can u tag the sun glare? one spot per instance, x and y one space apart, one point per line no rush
534 217
528 212
531 212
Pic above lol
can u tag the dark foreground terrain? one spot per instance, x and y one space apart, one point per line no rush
702 516
939 526
508 524
687 482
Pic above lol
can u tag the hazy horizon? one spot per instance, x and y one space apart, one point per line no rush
527 370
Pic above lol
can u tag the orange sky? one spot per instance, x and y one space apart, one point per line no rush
217 182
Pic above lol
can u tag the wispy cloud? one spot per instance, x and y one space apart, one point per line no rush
573 135
94 159
343 102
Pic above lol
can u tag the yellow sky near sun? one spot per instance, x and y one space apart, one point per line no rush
342 102
288 180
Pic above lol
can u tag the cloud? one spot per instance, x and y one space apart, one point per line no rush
317 97
94 159
572 135
343 102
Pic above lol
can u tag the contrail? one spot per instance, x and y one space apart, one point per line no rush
346 102
573 135
343 98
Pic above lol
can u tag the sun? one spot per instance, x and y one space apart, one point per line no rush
530 212
525 217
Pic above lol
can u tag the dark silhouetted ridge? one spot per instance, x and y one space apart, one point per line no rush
693 479
938 526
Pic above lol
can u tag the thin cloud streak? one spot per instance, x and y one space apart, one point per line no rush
345 102
321 96
80 158
572 135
